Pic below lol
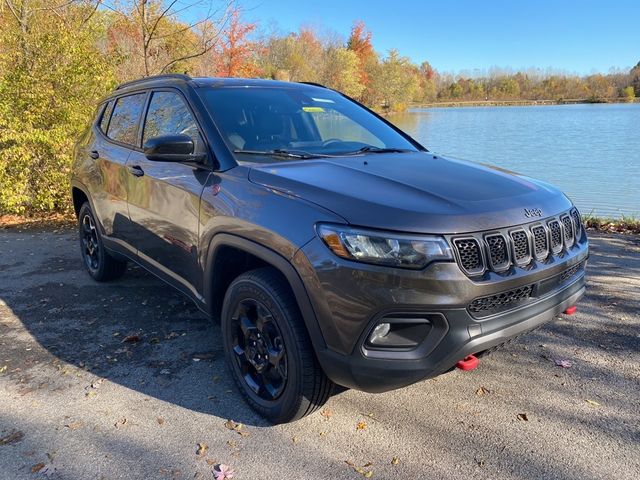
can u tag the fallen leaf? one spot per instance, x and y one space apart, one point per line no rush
121 423
322 434
3 369
563 363
482 391
90 393
97 383
154 340
75 425
326 413
131 339
395 461
239 428
160 420
203 356
14 437
523 417
37 467
361 425
223 472
202 448
366 473
593 402
294 439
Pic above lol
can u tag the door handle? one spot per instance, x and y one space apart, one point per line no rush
94 154
136 171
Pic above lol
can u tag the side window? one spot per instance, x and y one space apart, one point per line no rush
169 115
123 126
106 115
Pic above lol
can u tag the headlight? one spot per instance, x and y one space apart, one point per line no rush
383 248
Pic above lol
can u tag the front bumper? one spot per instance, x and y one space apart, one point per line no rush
350 298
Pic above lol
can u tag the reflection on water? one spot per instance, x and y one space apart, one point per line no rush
591 152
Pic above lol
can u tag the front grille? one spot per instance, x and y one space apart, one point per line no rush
577 223
568 230
570 272
500 301
540 242
521 252
556 236
469 254
499 251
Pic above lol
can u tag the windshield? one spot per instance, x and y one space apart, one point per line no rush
260 123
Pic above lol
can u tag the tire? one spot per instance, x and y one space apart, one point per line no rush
263 298
99 263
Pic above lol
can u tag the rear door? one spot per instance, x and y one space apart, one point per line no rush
164 197
117 137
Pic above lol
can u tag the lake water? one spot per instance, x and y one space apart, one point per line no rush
591 152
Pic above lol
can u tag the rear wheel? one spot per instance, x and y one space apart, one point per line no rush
101 266
269 350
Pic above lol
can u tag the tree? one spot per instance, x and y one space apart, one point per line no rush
341 71
235 56
51 77
359 42
149 36
635 79
297 56
397 82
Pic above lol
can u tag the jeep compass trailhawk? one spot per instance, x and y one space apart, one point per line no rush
332 247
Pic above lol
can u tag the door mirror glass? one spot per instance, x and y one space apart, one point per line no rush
170 148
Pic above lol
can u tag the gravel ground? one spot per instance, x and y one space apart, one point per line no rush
124 380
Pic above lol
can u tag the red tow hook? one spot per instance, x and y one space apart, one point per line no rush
468 363
571 310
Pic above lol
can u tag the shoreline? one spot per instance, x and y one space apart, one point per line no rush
57 221
516 103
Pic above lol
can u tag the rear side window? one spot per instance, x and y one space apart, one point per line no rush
106 115
169 115
125 118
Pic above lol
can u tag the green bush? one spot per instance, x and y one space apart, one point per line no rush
51 77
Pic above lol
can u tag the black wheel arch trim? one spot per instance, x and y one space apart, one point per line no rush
275 260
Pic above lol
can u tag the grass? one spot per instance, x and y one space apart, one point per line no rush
625 224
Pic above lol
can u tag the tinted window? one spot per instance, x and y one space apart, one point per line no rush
106 115
123 126
169 115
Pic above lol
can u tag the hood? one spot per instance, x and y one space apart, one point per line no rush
414 192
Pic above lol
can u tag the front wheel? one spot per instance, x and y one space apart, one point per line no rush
269 350
101 266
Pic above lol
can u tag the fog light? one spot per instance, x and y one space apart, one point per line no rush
378 334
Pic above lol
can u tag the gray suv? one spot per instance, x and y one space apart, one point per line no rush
333 248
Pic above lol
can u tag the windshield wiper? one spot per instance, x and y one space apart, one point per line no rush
372 149
279 152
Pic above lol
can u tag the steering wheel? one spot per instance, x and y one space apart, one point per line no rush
330 141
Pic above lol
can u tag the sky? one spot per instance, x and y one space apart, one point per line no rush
574 36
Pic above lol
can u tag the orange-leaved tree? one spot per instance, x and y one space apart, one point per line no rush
235 56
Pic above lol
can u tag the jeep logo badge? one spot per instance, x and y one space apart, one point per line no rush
532 212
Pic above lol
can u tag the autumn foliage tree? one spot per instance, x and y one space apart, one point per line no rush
235 56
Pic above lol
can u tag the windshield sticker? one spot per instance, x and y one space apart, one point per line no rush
313 109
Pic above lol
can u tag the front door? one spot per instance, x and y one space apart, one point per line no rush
164 197
112 145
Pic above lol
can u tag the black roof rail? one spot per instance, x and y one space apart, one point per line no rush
178 76
315 84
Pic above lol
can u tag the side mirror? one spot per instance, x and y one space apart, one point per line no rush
170 148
